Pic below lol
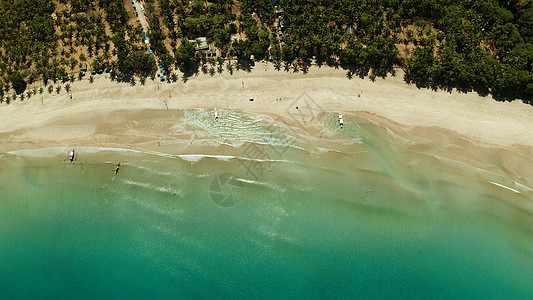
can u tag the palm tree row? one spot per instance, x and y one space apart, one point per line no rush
484 45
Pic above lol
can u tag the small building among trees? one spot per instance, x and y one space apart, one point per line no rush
201 43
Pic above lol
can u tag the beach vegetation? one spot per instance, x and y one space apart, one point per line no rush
17 82
484 46
186 56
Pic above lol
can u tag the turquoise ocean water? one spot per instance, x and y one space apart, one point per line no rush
373 216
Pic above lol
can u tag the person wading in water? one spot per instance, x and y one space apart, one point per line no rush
71 155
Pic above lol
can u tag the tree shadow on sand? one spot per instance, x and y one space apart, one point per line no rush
245 65
192 70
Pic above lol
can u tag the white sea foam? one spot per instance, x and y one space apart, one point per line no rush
265 160
449 160
374 122
396 136
261 183
505 187
201 175
249 181
327 150
163 189
43 152
522 186
198 157
100 149
153 171
274 144
54 151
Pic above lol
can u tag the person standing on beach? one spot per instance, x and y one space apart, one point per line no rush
71 155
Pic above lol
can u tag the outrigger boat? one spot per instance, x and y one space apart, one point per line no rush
341 122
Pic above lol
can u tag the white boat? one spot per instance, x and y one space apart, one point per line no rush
341 121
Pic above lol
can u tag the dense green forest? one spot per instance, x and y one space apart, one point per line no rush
484 46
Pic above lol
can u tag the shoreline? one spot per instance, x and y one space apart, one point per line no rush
107 117
57 119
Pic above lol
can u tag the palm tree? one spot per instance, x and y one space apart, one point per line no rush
229 67
73 62
287 66
277 65
295 67
349 74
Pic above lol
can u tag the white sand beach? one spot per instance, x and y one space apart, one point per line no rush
46 119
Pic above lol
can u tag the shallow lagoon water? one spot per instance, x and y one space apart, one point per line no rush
368 214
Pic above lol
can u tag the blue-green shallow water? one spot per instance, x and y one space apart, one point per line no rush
315 226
